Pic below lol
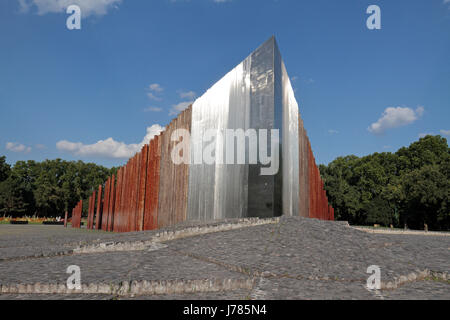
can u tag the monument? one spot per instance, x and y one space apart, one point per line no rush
255 101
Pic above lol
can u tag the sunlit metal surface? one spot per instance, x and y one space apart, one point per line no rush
218 190
257 94
290 156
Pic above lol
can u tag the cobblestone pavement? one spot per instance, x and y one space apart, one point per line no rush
295 258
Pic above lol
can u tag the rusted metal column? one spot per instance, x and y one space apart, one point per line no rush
75 216
89 213
182 171
106 205
80 214
141 191
132 191
111 203
137 186
123 213
152 185
166 184
312 187
126 198
91 220
98 219
129 200
116 219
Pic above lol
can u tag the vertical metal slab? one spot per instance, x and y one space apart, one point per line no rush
105 216
142 184
218 191
118 194
266 111
152 185
111 204
98 219
290 143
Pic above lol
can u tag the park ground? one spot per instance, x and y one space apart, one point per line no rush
283 258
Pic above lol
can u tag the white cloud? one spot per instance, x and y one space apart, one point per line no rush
332 131
177 108
17 147
187 95
109 148
153 97
395 117
88 7
153 109
156 87
445 132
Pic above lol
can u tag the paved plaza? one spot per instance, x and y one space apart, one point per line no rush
284 258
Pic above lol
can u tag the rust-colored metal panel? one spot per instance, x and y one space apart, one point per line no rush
130 222
136 186
98 219
130 191
303 171
116 219
77 217
106 205
317 196
73 216
152 184
92 215
172 202
126 198
111 203
311 192
88 224
92 211
132 201
123 198
141 191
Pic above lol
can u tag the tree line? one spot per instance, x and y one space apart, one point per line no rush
407 188
48 188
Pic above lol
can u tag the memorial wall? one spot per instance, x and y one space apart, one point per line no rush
255 100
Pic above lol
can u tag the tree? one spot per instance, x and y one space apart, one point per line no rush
410 186
4 169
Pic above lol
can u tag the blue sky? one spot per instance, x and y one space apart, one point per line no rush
134 64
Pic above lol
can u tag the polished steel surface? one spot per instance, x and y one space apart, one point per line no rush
290 155
255 95
219 190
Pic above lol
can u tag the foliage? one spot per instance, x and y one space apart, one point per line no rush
48 188
409 187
